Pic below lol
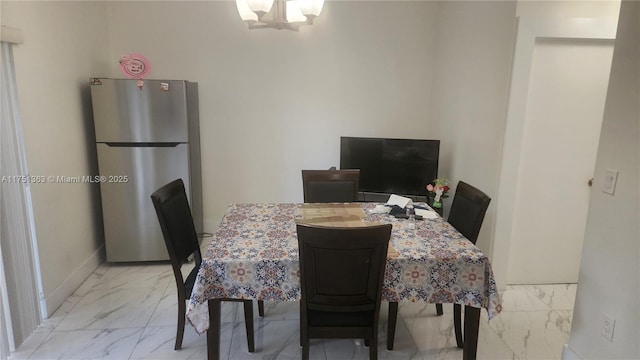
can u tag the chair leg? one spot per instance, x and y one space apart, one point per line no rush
303 327
305 349
373 348
393 317
248 321
260 308
366 342
182 308
439 309
457 323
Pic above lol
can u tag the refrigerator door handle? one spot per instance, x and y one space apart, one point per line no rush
142 144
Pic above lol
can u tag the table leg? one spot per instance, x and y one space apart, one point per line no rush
471 326
457 324
213 333
391 329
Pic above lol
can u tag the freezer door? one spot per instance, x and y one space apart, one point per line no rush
131 227
156 112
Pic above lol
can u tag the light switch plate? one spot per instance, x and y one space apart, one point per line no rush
610 180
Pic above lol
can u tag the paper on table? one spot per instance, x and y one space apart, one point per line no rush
427 214
399 200
380 209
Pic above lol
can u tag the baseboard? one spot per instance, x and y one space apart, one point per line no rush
569 354
52 302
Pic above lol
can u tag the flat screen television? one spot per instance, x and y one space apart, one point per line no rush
393 166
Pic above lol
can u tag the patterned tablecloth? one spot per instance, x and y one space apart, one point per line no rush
254 255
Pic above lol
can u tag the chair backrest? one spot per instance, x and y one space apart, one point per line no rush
342 268
176 222
467 210
325 186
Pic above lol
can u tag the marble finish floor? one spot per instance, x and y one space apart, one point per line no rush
129 312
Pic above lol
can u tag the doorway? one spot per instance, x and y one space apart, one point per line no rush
563 118
556 102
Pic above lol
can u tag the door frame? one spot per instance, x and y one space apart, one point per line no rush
529 29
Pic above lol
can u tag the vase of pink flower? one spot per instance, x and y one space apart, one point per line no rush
438 190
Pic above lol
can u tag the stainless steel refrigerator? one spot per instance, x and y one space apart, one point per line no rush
146 136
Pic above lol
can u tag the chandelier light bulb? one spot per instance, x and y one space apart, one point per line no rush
245 12
260 6
278 14
311 7
293 13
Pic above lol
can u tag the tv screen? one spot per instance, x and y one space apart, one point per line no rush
394 166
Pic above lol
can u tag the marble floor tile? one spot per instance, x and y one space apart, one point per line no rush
280 339
166 313
56 318
91 281
534 334
404 346
517 298
348 349
29 346
113 308
114 344
418 309
129 276
158 343
490 345
273 310
435 337
129 311
555 296
274 339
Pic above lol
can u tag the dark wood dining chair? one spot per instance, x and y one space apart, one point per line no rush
327 186
466 215
341 274
176 222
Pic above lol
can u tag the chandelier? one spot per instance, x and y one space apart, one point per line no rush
279 14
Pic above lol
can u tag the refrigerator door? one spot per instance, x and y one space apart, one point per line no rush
156 112
132 231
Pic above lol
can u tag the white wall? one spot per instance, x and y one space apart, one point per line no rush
569 8
64 43
471 82
275 102
608 281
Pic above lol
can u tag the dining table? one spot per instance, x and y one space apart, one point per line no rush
254 255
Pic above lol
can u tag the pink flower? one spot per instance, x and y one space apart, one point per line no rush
429 187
